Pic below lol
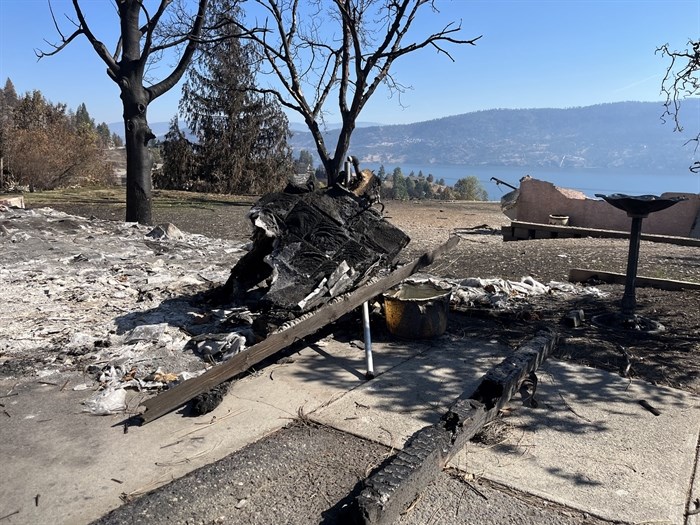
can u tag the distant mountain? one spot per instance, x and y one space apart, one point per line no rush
161 128
617 135
301 126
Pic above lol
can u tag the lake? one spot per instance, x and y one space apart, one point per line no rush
589 181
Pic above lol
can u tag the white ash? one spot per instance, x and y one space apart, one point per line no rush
93 296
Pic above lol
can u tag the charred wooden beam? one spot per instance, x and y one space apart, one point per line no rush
580 275
389 491
304 326
520 231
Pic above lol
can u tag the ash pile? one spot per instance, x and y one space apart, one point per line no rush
308 247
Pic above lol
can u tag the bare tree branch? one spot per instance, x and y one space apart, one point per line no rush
82 29
681 80
193 40
347 48
99 47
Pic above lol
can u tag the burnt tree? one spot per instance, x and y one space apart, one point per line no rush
345 48
144 36
682 80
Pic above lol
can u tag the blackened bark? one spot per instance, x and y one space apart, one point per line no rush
128 73
139 160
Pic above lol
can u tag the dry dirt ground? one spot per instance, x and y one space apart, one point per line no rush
669 358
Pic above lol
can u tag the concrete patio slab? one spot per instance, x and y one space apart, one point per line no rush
590 445
413 395
61 465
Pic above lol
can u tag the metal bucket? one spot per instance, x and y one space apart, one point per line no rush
417 310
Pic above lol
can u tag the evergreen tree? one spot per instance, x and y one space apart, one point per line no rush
398 187
105 135
242 136
9 94
305 162
470 189
381 174
411 187
422 189
178 161
83 121
429 193
8 102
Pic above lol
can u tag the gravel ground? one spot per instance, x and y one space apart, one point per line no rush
307 474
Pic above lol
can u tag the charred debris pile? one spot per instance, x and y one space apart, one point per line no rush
308 247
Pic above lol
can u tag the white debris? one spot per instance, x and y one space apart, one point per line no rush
499 293
576 289
110 401
184 376
101 297
150 332
222 346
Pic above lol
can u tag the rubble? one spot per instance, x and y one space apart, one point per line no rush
109 299
503 294
309 247
126 305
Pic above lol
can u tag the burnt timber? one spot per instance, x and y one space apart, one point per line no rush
523 231
580 275
389 491
309 247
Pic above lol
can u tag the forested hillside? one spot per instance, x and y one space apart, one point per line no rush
618 135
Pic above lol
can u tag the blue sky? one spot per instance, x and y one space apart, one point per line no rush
532 54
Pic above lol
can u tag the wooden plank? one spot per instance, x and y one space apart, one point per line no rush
389 491
528 230
306 325
579 275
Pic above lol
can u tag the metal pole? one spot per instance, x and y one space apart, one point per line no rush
629 302
348 172
368 341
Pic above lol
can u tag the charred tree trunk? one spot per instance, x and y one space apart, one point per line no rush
139 161
126 67
343 144
135 100
332 165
